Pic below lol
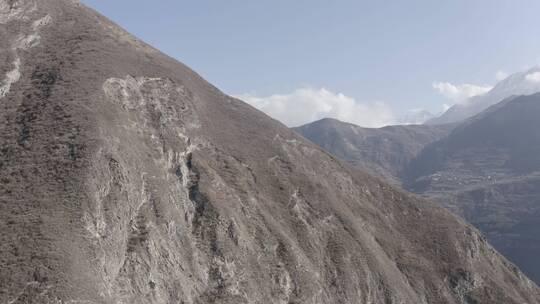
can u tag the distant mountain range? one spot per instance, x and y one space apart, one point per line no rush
521 83
486 169
384 152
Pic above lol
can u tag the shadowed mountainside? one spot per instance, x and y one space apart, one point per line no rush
488 171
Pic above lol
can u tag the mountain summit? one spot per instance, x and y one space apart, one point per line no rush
521 83
127 178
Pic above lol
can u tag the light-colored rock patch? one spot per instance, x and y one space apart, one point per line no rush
16 10
26 42
42 22
31 40
11 77
23 42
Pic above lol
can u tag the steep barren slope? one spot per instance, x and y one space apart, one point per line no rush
488 170
384 152
126 178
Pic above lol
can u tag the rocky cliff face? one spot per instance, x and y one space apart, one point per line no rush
126 178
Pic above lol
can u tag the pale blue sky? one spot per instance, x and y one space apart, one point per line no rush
389 51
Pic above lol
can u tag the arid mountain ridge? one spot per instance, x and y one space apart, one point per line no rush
127 178
384 152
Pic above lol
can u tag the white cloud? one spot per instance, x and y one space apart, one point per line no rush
415 117
459 94
307 105
533 77
501 75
